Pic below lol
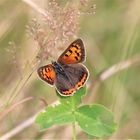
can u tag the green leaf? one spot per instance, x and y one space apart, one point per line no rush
62 113
58 114
95 120
75 99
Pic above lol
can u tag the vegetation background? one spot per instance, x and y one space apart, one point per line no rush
28 39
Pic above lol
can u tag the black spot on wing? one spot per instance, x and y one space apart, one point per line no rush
70 51
66 55
46 70
76 58
78 54
76 46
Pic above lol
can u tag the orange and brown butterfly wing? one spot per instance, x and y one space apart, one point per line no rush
77 75
75 53
47 73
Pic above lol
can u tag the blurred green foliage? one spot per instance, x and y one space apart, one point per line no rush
95 119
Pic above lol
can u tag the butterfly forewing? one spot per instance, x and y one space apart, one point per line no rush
75 53
47 73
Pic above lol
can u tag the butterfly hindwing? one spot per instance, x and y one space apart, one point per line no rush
76 76
47 73
75 53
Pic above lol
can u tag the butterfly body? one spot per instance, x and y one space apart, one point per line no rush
67 74
59 69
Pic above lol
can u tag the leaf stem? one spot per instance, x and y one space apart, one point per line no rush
74 131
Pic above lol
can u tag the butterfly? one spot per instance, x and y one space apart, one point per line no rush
67 74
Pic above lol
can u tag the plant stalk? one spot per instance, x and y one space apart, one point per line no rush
74 131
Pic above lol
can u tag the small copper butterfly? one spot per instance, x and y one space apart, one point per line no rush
68 74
